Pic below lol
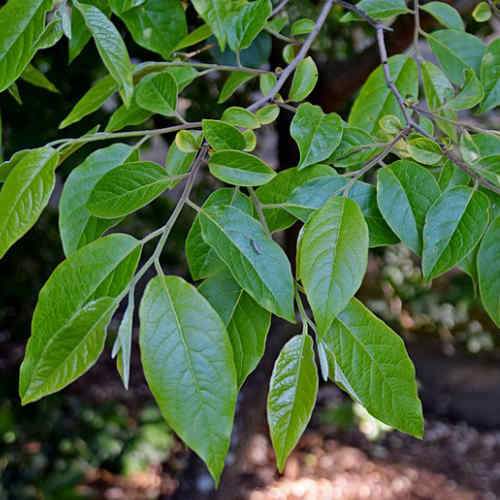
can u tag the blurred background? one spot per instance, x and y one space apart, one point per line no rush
96 440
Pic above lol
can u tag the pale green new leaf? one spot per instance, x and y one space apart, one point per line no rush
239 168
256 262
188 363
488 267
111 48
127 188
412 189
77 226
292 395
374 361
240 117
490 76
35 77
304 80
22 22
25 194
333 255
221 135
317 134
453 227
157 93
375 99
445 14
196 36
73 310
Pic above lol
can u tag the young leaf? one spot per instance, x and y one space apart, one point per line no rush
221 135
317 135
121 6
412 189
256 262
184 350
239 168
453 227
248 23
250 140
187 141
333 255
456 51
202 260
240 117
157 25
266 82
158 93
77 225
73 310
196 36
445 14
488 267
111 48
235 80
471 94
292 395
246 322
424 151
127 188
91 101
354 149
268 114
375 99
125 116
25 194
374 361
490 76
35 77
302 26
378 9
481 12
177 162
123 344
304 80
21 25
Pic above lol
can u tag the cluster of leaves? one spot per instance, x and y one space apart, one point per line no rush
199 343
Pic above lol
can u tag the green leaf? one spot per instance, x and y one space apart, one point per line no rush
239 168
405 192
25 194
248 23
279 190
246 322
424 151
7 166
317 135
453 226
333 255
256 262
158 93
490 76
187 142
123 344
471 94
292 395
125 116
202 260
375 99
488 266
240 117
52 33
268 114
35 77
445 14
304 80
157 25
374 361
451 176
77 225
302 26
481 12
22 22
120 6
127 188
177 162
354 149
111 48
91 101
73 310
196 36
266 82
235 80
456 51
378 9
185 349
221 135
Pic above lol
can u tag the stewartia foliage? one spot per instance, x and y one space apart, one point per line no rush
436 190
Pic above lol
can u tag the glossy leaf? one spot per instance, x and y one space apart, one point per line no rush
246 322
125 116
256 262
22 22
354 149
35 77
453 227
490 76
488 266
412 189
157 93
221 135
239 168
240 117
77 225
471 94
73 310
25 194
445 14
235 80
333 255
196 36
378 9
304 80
127 188
317 135
292 395
451 176
248 23
268 114
376 100
185 349
376 366
424 151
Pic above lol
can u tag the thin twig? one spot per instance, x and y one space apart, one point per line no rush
279 7
356 10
